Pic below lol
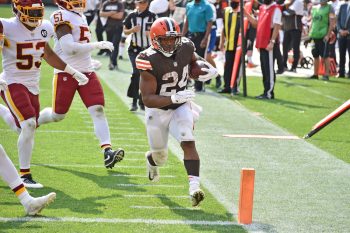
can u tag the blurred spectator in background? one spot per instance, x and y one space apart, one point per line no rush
212 42
178 9
197 27
113 10
322 24
268 25
250 37
228 42
137 24
129 6
100 27
292 27
90 10
343 26
159 7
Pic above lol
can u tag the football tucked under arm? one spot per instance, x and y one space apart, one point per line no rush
202 70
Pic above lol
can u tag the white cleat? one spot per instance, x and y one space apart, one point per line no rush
35 205
197 197
152 171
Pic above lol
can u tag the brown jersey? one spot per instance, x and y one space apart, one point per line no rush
172 73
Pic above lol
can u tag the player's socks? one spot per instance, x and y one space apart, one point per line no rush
100 122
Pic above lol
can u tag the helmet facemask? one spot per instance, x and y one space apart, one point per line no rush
168 44
31 16
75 5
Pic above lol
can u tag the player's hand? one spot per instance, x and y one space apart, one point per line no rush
3 85
182 96
103 45
81 78
212 72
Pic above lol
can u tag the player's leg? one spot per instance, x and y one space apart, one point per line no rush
181 127
25 107
157 123
9 174
93 98
64 87
6 115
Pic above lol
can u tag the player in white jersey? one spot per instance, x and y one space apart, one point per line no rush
24 42
72 44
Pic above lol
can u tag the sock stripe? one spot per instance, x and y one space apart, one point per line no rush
24 171
104 146
19 189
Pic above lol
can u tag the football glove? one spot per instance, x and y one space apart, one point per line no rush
212 72
80 77
103 45
182 96
3 85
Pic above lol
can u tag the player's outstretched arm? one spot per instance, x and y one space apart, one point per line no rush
56 62
69 46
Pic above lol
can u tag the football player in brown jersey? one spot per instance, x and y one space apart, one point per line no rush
164 69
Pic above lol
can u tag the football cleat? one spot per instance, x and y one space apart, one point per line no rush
29 182
197 197
112 157
35 205
152 171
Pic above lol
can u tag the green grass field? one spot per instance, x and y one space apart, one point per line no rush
68 161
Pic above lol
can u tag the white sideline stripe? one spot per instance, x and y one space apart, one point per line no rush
262 136
154 196
150 185
85 165
119 220
109 123
88 117
131 175
112 127
78 132
164 207
317 92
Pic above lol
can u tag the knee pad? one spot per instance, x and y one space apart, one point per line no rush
160 157
96 111
58 117
28 124
314 52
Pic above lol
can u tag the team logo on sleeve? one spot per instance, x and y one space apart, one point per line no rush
44 33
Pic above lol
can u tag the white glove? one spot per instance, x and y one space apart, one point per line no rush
80 77
103 45
212 72
3 85
182 96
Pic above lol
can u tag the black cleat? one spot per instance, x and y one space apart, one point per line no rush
197 197
112 157
29 182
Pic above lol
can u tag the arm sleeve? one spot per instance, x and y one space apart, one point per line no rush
70 47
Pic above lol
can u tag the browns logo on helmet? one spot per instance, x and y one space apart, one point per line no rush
72 5
165 35
29 12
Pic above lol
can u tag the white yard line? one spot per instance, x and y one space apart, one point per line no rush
164 207
155 196
118 220
150 185
133 175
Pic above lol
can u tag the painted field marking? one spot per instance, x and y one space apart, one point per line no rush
164 207
119 220
86 165
109 123
116 128
150 185
154 196
264 136
133 175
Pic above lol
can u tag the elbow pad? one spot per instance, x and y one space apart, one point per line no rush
71 48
